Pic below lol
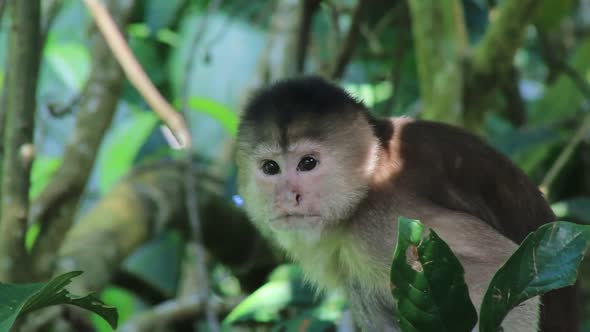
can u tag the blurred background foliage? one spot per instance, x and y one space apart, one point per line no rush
206 57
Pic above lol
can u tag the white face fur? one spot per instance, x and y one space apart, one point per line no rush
307 187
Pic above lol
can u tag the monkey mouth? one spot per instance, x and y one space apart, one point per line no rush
289 216
295 221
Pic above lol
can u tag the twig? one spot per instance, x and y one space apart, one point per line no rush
136 74
309 8
335 35
2 6
565 155
191 197
175 310
515 106
350 42
396 72
58 111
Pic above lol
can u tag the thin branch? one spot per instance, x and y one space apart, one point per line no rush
308 10
2 7
396 72
136 74
58 111
191 198
582 131
515 106
334 35
176 310
349 46
21 104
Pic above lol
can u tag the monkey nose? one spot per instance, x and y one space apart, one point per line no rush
292 198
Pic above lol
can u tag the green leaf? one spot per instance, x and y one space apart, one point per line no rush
71 61
547 259
221 113
267 302
428 283
126 307
43 169
18 299
119 152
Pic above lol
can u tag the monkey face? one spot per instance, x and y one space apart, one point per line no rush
307 184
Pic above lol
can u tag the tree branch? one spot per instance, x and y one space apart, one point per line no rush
175 310
566 153
136 74
440 41
56 205
494 54
308 10
18 140
152 198
345 54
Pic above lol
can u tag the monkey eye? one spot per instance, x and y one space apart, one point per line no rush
270 167
307 164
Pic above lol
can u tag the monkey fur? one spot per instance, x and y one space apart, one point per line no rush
327 181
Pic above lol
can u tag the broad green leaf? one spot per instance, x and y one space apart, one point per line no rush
547 259
71 61
18 299
575 209
428 283
126 306
221 113
119 152
266 303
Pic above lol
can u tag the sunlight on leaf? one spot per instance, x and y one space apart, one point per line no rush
120 149
220 112
70 61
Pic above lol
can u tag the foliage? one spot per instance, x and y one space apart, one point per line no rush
288 302
431 293
20 299
427 281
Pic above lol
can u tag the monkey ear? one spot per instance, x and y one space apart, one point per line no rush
423 261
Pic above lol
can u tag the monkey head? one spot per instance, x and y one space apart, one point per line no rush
305 156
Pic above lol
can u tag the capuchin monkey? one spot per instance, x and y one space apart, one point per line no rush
327 182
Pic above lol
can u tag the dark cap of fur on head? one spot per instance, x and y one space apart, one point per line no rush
289 99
